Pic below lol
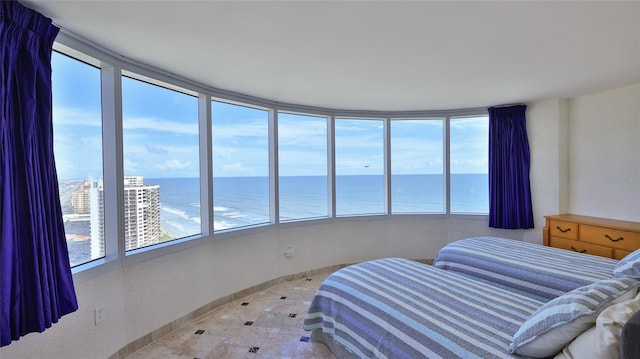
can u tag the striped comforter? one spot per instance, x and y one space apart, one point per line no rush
397 308
533 270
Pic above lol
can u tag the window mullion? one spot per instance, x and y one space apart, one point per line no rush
387 164
331 165
447 165
274 179
206 164
113 162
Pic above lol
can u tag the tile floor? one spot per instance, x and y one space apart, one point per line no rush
266 324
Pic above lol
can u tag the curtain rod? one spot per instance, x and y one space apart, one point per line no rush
509 105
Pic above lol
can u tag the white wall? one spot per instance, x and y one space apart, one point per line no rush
140 298
604 137
585 156
588 144
546 125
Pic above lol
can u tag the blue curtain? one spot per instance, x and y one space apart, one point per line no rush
509 189
36 286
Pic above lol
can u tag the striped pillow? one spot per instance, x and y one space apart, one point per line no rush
559 321
629 266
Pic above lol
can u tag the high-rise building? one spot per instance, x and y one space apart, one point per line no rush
96 196
141 215
80 198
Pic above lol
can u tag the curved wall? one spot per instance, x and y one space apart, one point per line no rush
143 297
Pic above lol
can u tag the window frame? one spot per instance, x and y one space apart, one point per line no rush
330 161
386 169
91 63
113 66
270 163
142 79
445 163
449 172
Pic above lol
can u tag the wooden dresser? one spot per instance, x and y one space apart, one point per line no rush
598 236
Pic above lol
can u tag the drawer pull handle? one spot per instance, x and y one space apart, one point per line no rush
563 230
575 250
614 240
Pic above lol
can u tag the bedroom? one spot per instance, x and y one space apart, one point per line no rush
584 160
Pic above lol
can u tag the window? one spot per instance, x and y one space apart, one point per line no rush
417 166
359 167
240 166
77 129
469 163
161 164
302 159
161 159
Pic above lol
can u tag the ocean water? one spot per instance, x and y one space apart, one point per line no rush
244 201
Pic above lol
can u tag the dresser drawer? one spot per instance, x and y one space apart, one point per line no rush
599 236
629 241
581 247
619 253
563 229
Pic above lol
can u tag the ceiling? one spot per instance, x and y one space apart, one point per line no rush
361 55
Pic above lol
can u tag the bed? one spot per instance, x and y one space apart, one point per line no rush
533 270
397 308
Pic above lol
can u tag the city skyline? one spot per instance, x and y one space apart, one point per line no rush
141 208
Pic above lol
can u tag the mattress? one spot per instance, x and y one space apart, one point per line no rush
397 308
533 270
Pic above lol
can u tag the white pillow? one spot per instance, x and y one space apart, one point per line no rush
609 326
629 266
584 346
559 321
602 341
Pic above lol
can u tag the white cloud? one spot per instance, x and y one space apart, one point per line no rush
476 123
159 160
76 116
157 124
312 133
237 168
250 128
131 167
173 165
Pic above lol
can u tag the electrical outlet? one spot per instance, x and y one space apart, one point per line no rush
98 315
290 252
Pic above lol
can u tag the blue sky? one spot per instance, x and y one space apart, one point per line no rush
76 119
160 131
160 135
